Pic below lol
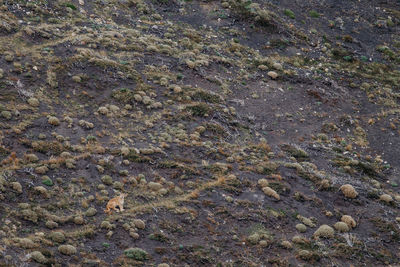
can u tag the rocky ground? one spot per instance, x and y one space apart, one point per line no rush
244 133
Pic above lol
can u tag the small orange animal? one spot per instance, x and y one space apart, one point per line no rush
114 203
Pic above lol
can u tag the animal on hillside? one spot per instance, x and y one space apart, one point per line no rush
115 202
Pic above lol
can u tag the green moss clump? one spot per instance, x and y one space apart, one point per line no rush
136 253
47 181
6 114
289 13
107 180
91 212
71 6
314 14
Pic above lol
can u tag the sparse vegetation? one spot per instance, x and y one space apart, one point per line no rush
289 13
200 133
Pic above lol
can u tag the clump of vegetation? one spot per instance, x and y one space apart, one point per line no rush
200 109
251 10
207 97
314 14
38 257
386 198
324 231
271 192
134 156
136 253
294 151
348 191
67 249
289 13
205 124
349 221
341 227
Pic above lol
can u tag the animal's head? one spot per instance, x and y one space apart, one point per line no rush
122 195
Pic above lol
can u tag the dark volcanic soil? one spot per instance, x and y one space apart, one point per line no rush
244 133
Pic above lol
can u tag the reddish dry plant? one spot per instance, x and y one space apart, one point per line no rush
12 159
